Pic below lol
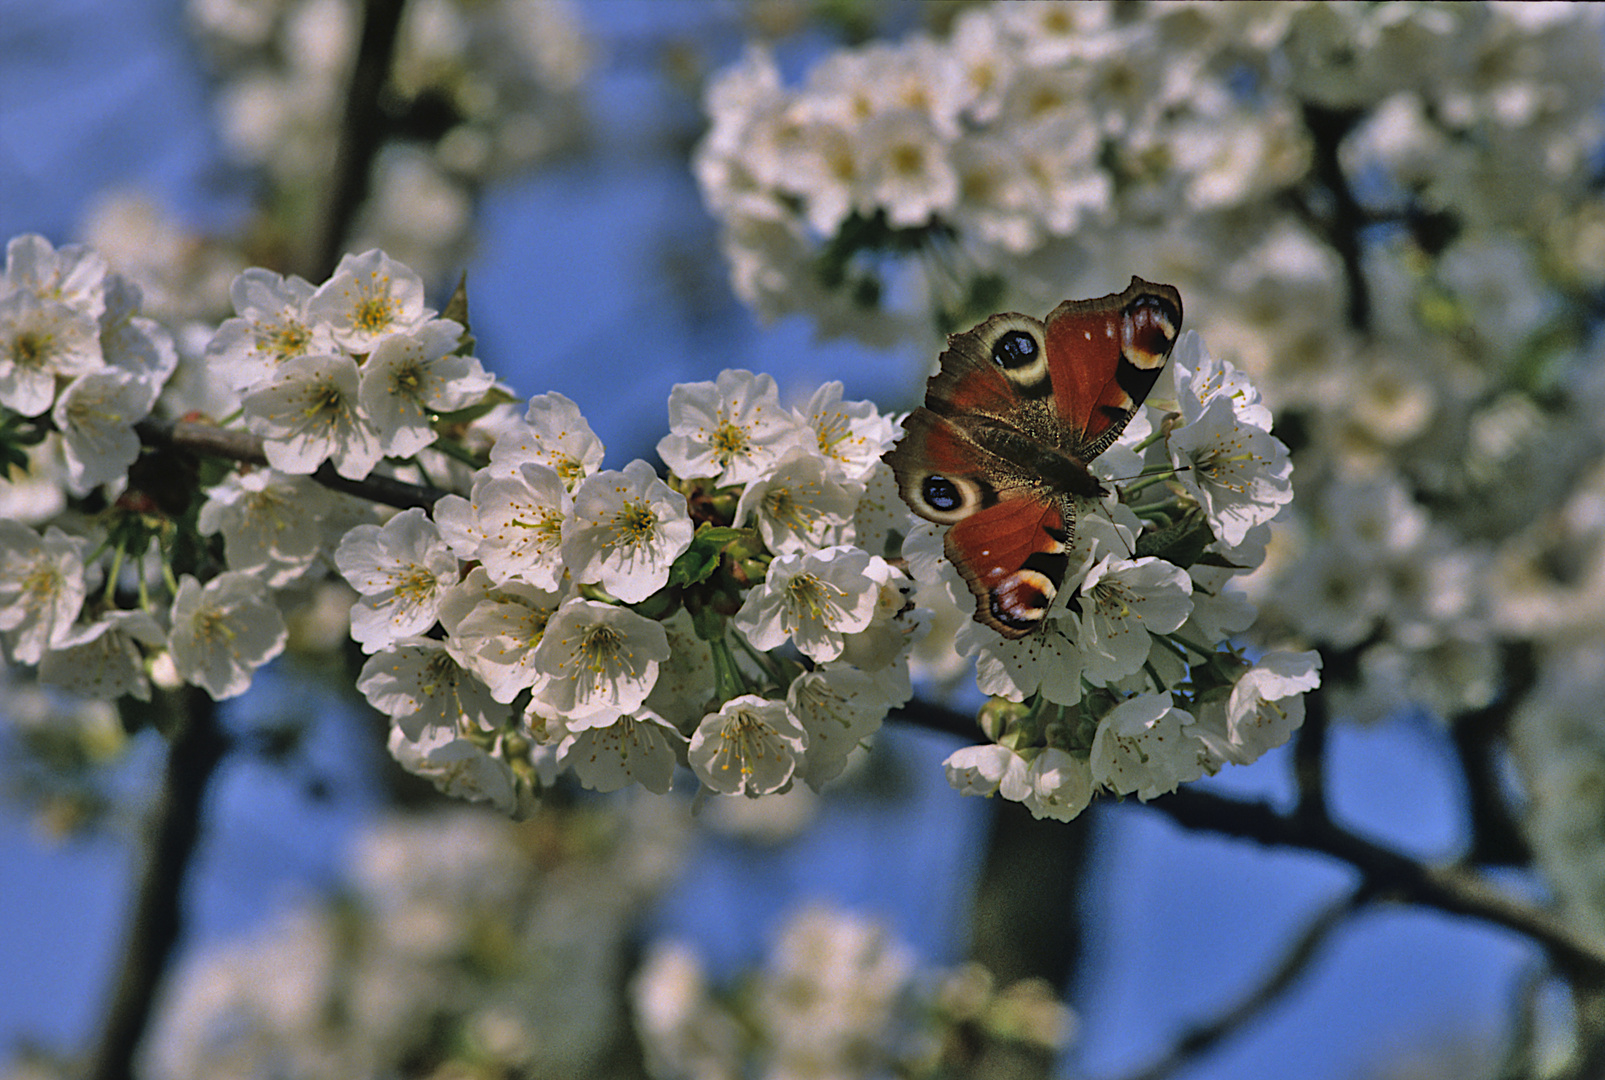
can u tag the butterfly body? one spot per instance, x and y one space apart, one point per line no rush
1000 450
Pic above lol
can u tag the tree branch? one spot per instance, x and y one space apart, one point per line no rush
197 747
1451 889
1202 1038
230 444
1344 219
362 131
1447 888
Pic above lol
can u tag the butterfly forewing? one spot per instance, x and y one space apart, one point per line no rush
1112 351
999 452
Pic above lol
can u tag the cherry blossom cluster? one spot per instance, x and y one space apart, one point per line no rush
350 372
103 600
1030 137
1125 688
838 996
441 916
751 616
491 87
1389 216
79 368
735 618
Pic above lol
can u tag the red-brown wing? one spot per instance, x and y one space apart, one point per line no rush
1018 408
1103 357
1013 555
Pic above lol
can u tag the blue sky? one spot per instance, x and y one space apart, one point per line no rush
565 298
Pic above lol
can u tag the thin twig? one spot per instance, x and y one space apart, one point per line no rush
157 920
1201 1038
235 445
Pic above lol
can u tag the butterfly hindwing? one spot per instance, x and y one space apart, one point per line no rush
1013 556
1019 407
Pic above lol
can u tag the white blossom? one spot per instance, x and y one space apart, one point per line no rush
96 415
511 524
223 631
685 680
838 708
1144 746
988 769
42 587
553 434
637 748
813 599
1049 661
272 523
425 692
1123 602
41 340
73 275
1240 474
1061 785
906 169
799 506
458 767
401 569
309 412
370 297
751 747
1266 705
732 430
626 530
271 325
103 659
498 635
412 375
597 662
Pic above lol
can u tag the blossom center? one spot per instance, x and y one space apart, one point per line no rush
30 348
374 312
602 649
635 524
729 441
739 739
289 340
806 593
570 469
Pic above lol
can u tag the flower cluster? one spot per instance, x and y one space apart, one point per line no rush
1387 215
735 618
1031 137
79 359
447 943
1123 688
483 89
838 996
79 368
752 616
349 372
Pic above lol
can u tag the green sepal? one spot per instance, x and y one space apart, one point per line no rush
493 397
457 311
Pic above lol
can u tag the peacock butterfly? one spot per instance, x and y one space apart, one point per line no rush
999 451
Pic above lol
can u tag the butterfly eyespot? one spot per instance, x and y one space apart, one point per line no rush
940 493
1014 349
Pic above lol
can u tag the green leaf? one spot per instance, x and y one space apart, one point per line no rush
1182 543
698 562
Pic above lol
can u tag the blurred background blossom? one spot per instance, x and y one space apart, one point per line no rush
1389 216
